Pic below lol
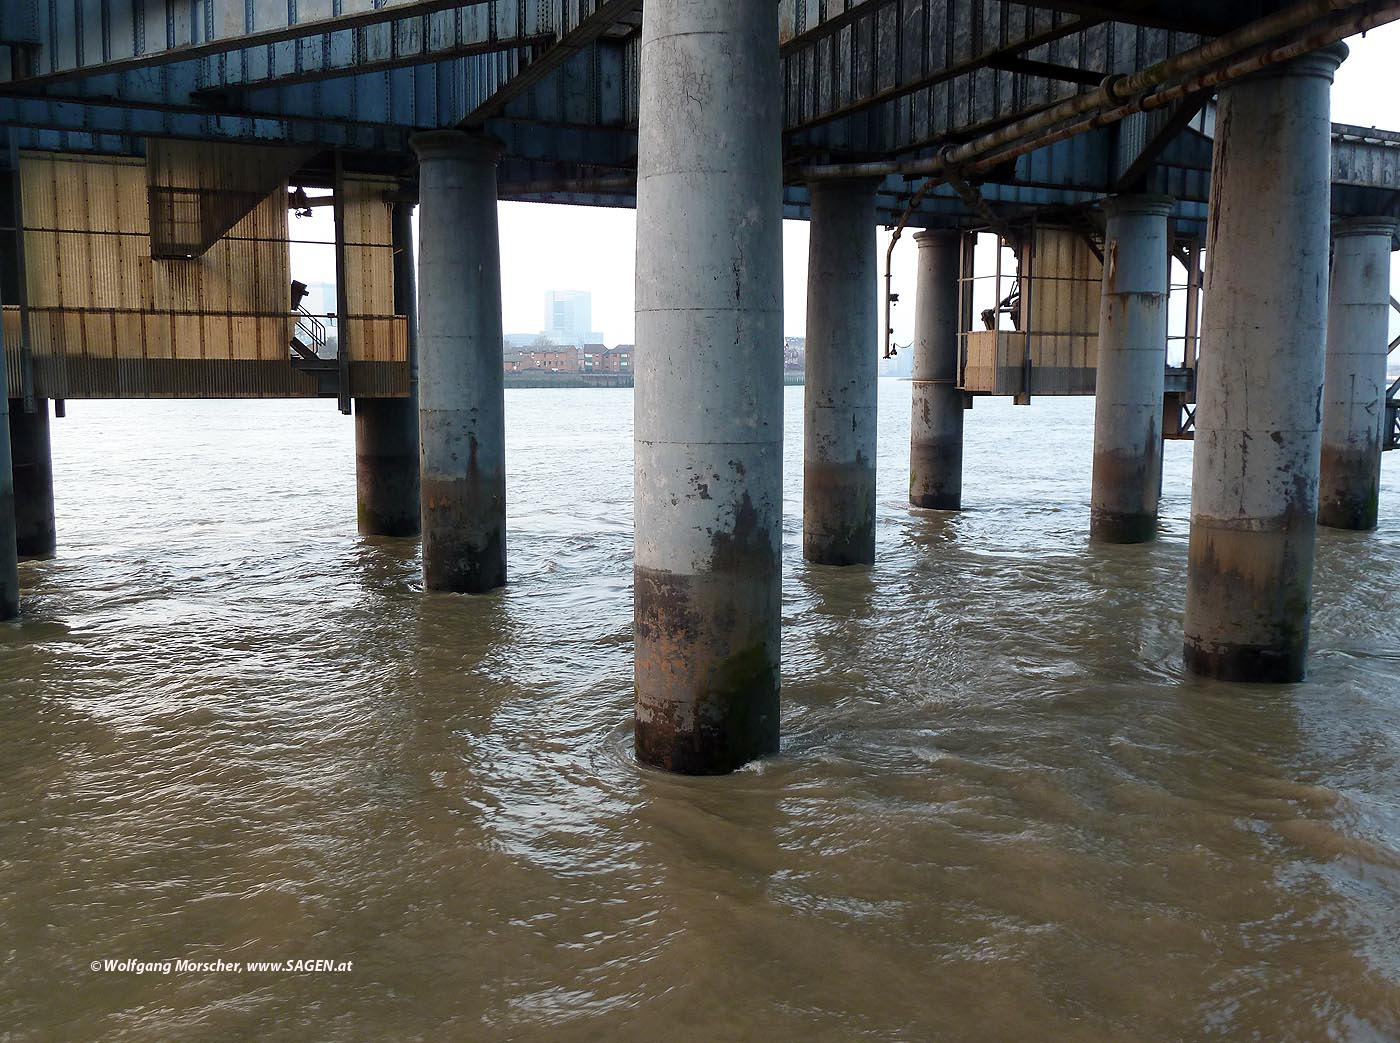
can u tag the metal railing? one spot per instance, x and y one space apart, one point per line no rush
1392 398
308 336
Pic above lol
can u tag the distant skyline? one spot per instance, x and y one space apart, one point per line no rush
568 317
548 246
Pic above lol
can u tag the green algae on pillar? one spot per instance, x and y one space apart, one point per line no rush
709 395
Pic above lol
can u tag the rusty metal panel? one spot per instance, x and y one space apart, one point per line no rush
197 191
1056 336
1068 279
1063 312
985 371
369 263
108 321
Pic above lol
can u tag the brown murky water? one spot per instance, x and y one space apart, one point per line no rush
230 729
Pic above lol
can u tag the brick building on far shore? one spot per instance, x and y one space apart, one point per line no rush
552 358
618 359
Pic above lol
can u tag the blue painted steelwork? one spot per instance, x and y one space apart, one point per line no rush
556 81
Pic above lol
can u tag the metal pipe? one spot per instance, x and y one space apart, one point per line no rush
342 289
1194 279
1191 67
1168 95
914 201
26 351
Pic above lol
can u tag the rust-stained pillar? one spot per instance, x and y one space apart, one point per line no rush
386 429
1353 390
1254 486
1131 371
838 490
32 455
709 398
461 392
936 432
9 556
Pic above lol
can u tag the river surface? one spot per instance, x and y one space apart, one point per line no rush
232 729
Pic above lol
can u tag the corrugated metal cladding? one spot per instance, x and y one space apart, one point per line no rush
1060 311
199 190
376 338
109 321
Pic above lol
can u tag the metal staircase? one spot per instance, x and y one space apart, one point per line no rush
308 343
308 340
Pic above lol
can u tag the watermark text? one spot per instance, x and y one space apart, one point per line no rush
131 965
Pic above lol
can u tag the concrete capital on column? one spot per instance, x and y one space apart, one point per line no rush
456 144
1137 205
1323 63
938 237
1361 226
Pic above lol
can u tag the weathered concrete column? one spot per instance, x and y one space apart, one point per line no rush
31 452
461 391
1131 371
9 556
936 433
1254 487
386 429
1353 389
709 398
838 490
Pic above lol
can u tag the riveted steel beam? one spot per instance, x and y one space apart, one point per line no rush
159 32
601 17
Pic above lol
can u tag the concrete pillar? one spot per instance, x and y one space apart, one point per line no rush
1254 488
386 467
461 391
9 556
1131 371
709 398
838 491
35 531
1353 390
386 429
936 433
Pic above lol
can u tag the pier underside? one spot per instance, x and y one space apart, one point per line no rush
1090 149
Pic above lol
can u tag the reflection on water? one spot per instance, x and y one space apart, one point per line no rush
231 729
